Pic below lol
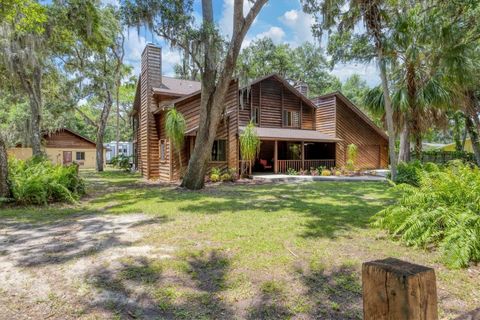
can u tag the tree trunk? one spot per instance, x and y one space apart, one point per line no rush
4 186
215 84
388 113
457 135
418 145
101 130
99 150
32 84
404 152
474 139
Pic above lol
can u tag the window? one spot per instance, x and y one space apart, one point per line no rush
80 156
162 150
255 115
291 119
219 150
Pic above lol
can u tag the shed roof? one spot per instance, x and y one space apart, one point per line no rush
292 134
356 110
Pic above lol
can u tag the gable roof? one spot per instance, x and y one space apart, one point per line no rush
48 135
291 88
356 110
177 87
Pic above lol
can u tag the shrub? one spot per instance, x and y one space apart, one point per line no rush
411 172
226 177
443 211
326 172
38 181
352 152
233 173
121 162
292 172
215 174
303 172
314 172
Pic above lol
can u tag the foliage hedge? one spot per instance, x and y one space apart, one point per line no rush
442 211
411 172
38 181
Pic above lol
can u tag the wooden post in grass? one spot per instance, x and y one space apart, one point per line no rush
395 289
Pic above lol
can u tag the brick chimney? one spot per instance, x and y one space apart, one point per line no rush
150 77
302 87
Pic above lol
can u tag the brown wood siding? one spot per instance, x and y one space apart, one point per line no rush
325 115
272 98
148 137
353 129
227 130
66 139
163 165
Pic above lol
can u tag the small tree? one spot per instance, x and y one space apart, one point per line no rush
175 126
352 152
249 145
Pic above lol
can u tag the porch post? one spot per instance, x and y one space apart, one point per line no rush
275 158
303 155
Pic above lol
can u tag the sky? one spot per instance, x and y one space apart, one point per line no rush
281 20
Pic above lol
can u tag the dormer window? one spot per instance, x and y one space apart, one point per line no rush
256 115
291 119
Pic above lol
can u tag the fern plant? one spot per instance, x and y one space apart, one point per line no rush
443 211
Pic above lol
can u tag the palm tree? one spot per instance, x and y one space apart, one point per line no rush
331 16
249 145
175 127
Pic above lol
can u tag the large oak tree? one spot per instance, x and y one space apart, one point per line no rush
215 57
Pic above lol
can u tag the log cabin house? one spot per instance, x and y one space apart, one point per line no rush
295 131
65 147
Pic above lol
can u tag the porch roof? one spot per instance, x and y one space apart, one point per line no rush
292 134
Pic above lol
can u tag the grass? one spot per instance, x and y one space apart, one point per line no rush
264 251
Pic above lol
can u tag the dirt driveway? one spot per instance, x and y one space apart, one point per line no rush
49 270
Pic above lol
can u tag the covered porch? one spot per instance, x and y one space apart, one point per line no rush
284 149
278 156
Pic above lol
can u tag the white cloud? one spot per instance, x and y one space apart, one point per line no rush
367 72
275 33
226 20
300 25
134 45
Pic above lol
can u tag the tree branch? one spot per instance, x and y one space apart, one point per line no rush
87 118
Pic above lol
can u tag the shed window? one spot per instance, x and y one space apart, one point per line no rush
162 150
80 156
255 115
219 150
291 119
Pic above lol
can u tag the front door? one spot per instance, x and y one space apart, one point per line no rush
67 157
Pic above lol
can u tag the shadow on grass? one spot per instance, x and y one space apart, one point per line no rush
138 288
335 295
330 207
32 245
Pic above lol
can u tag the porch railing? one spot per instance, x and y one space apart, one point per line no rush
297 165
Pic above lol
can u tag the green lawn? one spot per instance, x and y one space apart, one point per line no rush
250 251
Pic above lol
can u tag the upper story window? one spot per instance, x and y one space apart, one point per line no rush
162 149
291 119
256 115
219 150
